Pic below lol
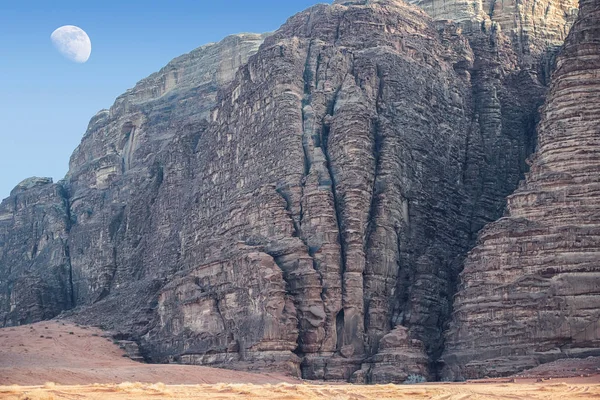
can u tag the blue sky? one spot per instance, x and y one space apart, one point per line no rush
46 100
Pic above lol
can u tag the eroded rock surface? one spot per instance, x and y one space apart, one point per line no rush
531 26
305 206
233 312
133 165
74 243
400 359
35 269
530 291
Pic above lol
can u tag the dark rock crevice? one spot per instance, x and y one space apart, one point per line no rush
69 223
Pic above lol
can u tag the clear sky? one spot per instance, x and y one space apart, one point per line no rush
46 100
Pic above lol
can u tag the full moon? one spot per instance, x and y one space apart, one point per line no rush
72 42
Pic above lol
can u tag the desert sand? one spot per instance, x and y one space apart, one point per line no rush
68 354
58 360
473 391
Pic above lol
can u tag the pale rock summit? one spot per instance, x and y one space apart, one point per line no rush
532 26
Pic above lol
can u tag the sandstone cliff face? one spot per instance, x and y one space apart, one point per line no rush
531 26
399 359
35 281
530 290
113 178
229 313
143 142
306 208
316 155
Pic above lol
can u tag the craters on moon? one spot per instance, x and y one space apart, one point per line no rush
72 42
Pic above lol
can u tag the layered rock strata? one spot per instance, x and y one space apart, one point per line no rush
332 204
306 208
35 265
531 26
530 291
399 359
118 164
143 143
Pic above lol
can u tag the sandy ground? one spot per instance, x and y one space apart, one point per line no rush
562 391
53 360
71 355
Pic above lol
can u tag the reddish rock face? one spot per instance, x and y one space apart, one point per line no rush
530 290
305 206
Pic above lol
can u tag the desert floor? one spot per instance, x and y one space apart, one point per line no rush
58 360
473 391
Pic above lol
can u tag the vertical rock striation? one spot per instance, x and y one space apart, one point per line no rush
74 243
305 206
123 175
356 101
35 269
530 290
530 26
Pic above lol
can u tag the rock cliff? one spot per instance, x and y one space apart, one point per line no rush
304 206
530 290
142 143
35 267
58 244
530 26
312 157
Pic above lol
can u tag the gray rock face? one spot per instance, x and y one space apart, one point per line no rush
303 207
530 290
35 280
331 203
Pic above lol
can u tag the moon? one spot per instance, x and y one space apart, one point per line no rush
73 43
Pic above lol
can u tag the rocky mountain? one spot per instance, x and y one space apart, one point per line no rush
302 201
529 25
530 290
57 241
35 269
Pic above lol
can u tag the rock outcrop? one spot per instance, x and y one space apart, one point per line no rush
35 267
311 157
305 206
530 26
399 359
530 290
118 163
144 142
211 319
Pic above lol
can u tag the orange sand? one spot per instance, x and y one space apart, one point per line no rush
51 364
47 352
